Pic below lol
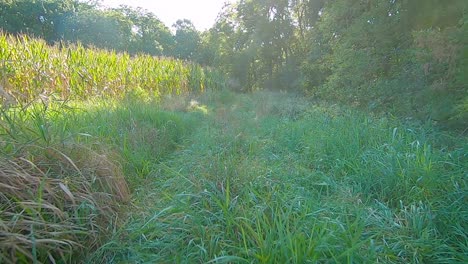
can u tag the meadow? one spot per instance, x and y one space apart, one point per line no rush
108 158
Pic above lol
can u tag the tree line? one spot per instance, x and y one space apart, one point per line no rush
126 29
406 57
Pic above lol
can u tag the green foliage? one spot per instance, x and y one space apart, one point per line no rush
144 32
141 132
64 169
38 18
187 40
57 195
381 56
390 56
93 28
252 39
224 177
31 69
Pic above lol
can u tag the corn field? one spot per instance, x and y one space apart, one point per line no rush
30 68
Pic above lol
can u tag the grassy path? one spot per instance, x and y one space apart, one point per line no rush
271 178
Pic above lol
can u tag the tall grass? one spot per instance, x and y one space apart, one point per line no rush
67 172
57 196
76 126
30 68
270 178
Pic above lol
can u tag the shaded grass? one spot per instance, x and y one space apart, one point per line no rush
270 178
65 168
142 133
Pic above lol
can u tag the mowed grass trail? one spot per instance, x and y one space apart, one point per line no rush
273 178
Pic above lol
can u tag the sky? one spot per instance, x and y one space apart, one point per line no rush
202 13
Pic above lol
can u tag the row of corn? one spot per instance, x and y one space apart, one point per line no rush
30 68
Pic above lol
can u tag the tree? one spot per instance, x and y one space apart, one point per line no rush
254 41
147 33
187 39
39 18
123 29
99 29
380 53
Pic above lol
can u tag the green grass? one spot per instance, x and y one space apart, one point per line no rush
223 178
270 178
79 163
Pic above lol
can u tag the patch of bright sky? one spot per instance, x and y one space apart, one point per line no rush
202 13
